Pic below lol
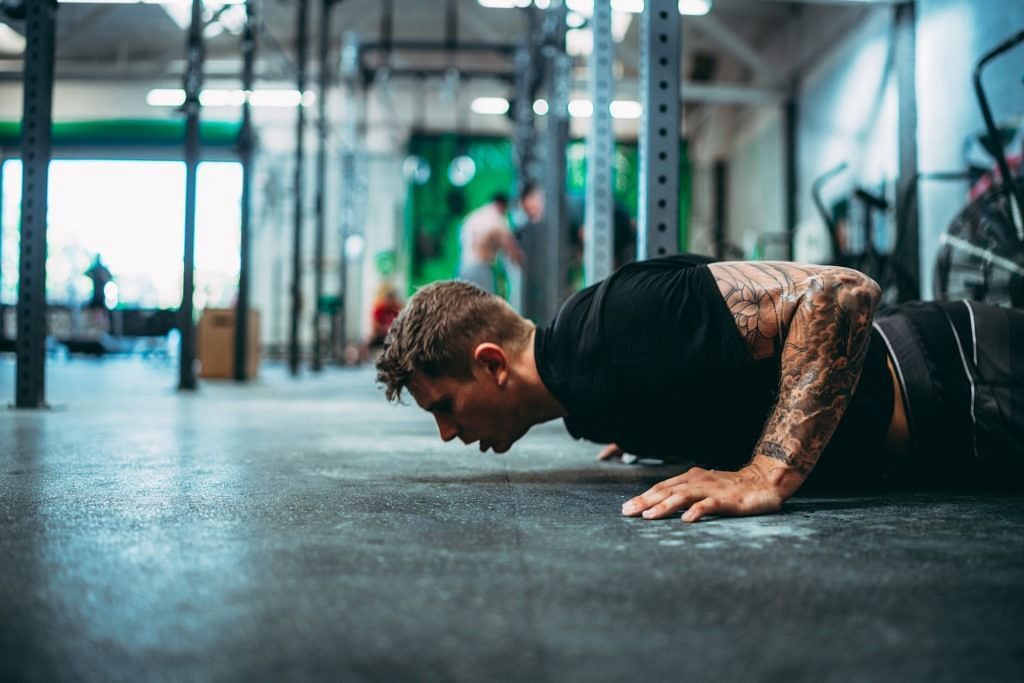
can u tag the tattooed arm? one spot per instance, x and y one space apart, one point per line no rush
818 320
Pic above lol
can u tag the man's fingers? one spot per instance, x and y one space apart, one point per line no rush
671 505
636 506
609 451
708 506
660 501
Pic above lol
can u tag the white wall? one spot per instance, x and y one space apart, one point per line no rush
756 184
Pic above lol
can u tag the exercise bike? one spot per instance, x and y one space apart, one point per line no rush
981 256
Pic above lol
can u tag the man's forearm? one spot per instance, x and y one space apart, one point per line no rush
821 362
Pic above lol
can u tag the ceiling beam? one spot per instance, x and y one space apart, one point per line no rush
734 44
727 93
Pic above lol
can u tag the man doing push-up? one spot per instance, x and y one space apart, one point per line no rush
766 374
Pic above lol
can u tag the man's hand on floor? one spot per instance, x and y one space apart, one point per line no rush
750 491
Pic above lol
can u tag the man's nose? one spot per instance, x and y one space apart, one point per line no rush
449 430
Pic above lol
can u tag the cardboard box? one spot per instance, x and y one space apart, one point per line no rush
216 344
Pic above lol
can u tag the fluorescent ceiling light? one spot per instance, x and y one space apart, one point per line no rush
504 4
281 98
581 109
490 105
586 7
631 6
695 8
213 97
165 98
11 42
619 109
222 98
626 109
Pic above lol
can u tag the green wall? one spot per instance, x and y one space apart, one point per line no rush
435 209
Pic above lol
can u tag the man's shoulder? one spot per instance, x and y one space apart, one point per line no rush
637 288
629 290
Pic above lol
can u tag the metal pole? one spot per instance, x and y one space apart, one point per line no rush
530 155
36 123
246 143
293 335
193 86
3 160
525 123
321 180
556 238
599 226
658 225
720 171
907 248
350 61
791 114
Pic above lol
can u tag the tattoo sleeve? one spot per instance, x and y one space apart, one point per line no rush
818 320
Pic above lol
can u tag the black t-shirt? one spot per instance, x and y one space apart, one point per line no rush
651 359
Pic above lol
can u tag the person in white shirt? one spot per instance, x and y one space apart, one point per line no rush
485 232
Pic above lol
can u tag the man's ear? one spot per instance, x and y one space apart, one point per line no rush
493 359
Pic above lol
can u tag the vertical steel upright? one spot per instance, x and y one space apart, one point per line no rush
522 114
36 122
350 73
660 36
302 30
321 180
530 159
720 173
246 143
599 224
556 242
907 217
193 87
790 114
3 159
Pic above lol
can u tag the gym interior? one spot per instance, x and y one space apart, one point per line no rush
210 211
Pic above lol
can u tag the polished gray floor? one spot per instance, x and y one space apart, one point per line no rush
305 530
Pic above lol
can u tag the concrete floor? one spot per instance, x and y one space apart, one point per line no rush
306 530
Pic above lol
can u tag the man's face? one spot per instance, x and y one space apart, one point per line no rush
479 409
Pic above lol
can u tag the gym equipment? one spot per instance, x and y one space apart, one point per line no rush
858 228
982 252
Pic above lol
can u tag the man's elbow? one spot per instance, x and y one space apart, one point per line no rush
855 291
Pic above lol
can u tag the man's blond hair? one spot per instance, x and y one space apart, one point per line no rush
438 330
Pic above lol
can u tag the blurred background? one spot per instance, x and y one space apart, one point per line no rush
831 131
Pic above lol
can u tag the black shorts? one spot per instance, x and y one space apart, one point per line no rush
961 367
